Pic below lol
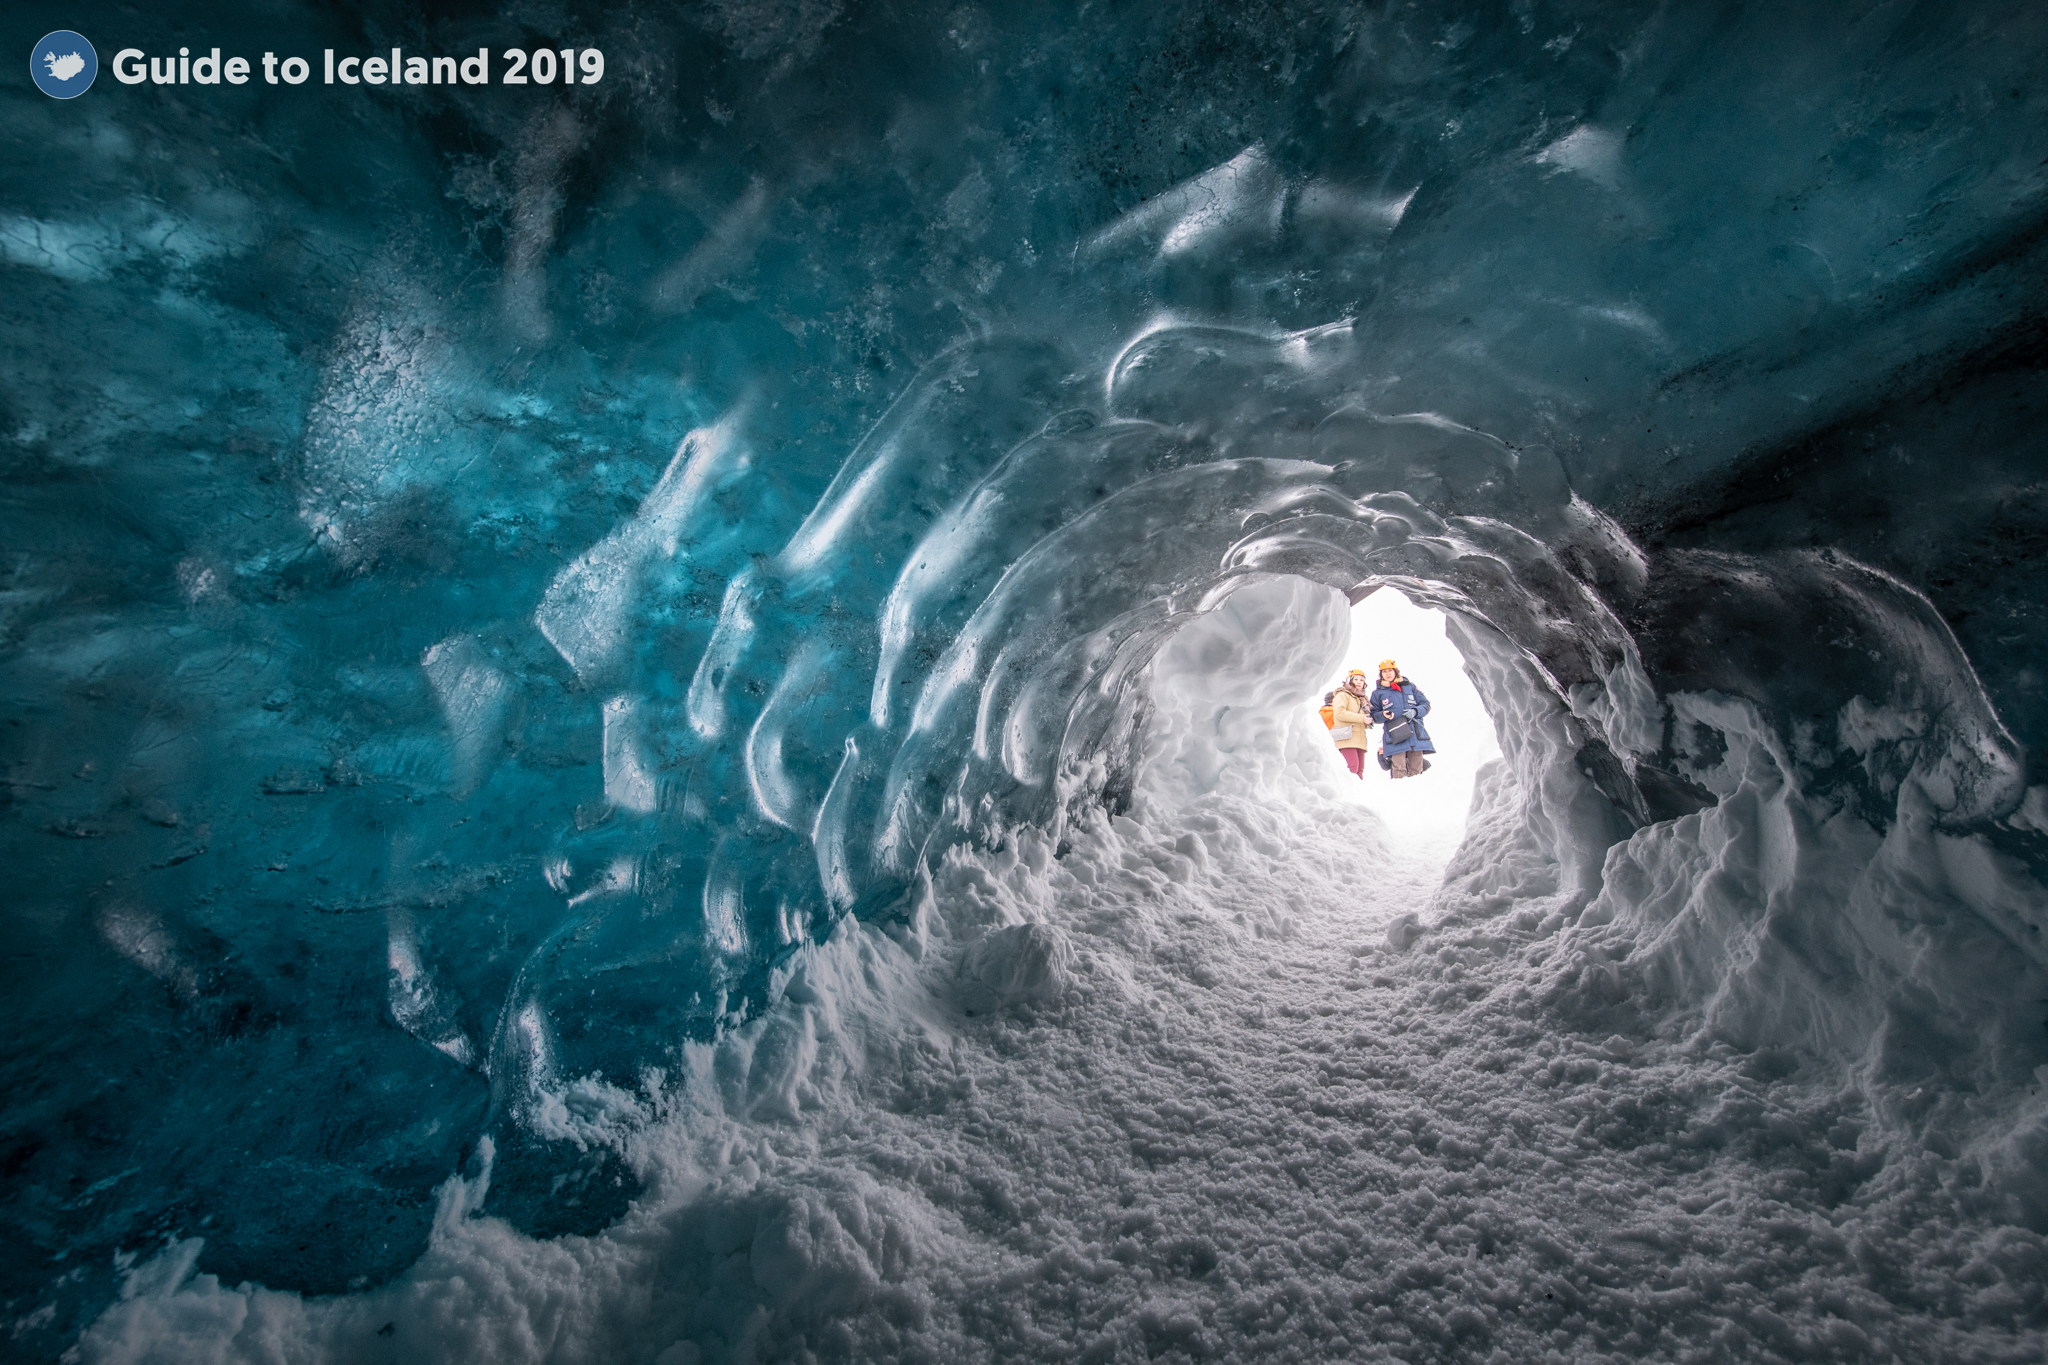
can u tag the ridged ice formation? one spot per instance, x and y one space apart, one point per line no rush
498 593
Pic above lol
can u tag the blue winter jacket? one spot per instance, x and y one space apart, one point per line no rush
1398 699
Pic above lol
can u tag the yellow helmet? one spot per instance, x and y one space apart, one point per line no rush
1386 664
1357 673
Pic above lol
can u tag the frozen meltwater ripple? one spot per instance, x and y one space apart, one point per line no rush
697 681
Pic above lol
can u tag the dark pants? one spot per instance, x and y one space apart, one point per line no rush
1409 764
1354 759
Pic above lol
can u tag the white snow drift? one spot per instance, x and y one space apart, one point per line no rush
1180 1093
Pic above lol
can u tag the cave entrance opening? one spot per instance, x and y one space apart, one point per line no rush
1426 814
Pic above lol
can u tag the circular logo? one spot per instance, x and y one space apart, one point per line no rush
63 64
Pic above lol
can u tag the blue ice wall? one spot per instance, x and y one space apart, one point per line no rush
487 571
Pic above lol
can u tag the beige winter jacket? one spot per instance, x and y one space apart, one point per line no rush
1349 710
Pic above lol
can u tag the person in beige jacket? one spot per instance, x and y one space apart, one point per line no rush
1351 723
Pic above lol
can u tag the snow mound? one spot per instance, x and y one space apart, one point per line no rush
1252 1130
1024 964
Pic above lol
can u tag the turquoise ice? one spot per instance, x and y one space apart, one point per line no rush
502 588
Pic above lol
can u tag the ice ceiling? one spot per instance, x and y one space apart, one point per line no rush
518 567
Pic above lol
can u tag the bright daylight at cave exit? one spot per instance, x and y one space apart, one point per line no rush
1427 816
676 683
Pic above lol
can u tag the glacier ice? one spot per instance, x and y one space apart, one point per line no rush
566 653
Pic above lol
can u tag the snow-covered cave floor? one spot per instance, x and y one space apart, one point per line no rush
1175 1096
1298 1143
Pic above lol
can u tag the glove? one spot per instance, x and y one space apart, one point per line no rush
1409 712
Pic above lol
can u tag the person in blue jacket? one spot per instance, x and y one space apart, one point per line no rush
1399 706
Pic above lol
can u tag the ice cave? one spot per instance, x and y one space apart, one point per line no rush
671 718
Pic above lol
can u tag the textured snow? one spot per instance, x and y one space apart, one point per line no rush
1176 1095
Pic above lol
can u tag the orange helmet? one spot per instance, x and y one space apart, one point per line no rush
1386 664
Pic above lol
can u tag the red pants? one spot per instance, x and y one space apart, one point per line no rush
1354 759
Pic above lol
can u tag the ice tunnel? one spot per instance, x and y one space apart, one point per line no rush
670 717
